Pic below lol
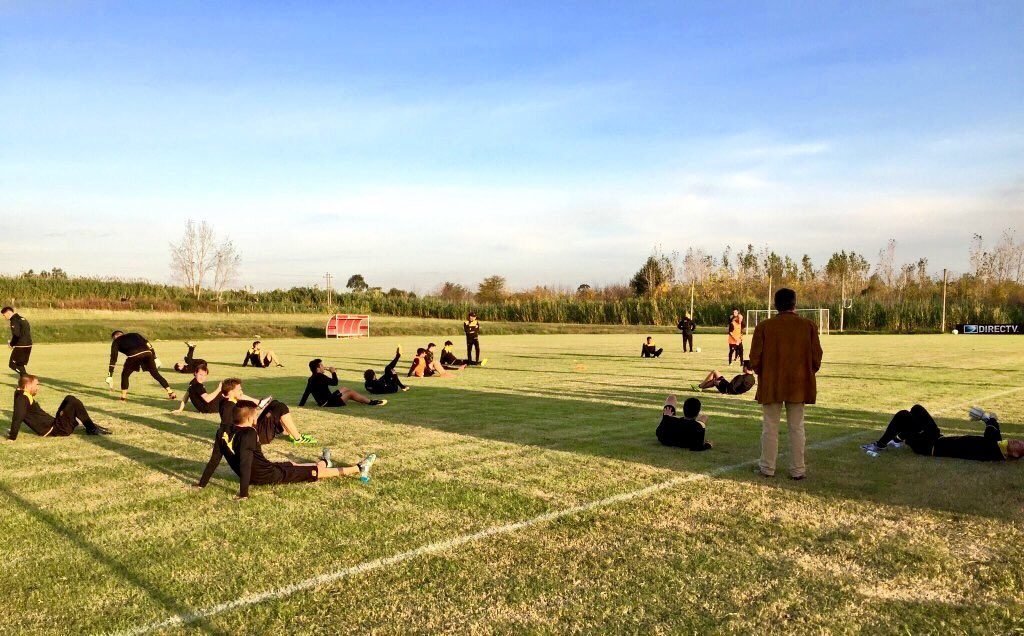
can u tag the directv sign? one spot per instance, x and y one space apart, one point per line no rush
991 329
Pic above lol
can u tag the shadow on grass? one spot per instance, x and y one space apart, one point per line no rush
121 570
626 433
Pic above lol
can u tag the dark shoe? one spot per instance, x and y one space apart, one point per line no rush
97 430
757 471
798 477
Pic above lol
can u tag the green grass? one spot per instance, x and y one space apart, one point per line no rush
89 325
104 534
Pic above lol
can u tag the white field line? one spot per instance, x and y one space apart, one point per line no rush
456 542
449 544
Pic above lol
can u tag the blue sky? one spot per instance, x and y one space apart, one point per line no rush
549 142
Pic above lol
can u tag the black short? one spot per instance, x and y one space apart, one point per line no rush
296 474
336 399
20 355
139 362
268 425
724 386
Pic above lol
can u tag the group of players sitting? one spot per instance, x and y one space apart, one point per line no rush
424 364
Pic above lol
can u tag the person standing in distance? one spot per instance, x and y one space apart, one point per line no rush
21 341
687 325
472 329
786 354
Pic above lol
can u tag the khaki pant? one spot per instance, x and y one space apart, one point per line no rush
770 437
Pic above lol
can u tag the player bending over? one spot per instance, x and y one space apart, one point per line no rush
449 361
139 354
20 342
388 382
649 349
739 385
319 386
240 445
274 416
918 430
257 357
686 431
27 411
191 362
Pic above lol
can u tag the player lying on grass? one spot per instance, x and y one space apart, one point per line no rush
139 355
686 431
257 357
274 416
649 349
239 443
449 361
191 362
388 382
739 385
27 411
918 430
319 386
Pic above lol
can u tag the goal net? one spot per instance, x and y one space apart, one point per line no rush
818 316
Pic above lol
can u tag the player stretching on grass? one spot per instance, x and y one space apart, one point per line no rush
472 329
319 386
191 362
449 361
739 385
139 354
918 430
274 416
257 357
686 431
21 340
388 382
649 349
239 444
27 411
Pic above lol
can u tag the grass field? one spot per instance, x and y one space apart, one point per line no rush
527 496
89 325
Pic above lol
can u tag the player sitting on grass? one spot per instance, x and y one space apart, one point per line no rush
274 416
257 357
433 366
239 444
191 362
649 349
388 382
27 411
204 401
319 386
686 431
918 430
139 354
739 385
449 361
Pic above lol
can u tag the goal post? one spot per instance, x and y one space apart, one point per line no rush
817 315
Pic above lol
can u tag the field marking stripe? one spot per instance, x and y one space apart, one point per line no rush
980 400
449 544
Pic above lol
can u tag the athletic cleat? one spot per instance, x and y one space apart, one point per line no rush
694 387
265 401
303 439
404 389
364 468
189 344
895 444
377 402
325 457
872 448
97 430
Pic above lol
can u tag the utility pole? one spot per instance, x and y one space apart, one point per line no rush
330 300
691 298
944 275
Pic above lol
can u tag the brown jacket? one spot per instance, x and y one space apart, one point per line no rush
785 354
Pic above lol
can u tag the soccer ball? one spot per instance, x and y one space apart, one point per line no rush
697 349
955 332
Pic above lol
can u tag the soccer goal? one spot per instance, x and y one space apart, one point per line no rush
818 316
348 326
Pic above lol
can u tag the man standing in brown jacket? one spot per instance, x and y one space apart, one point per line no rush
785 354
